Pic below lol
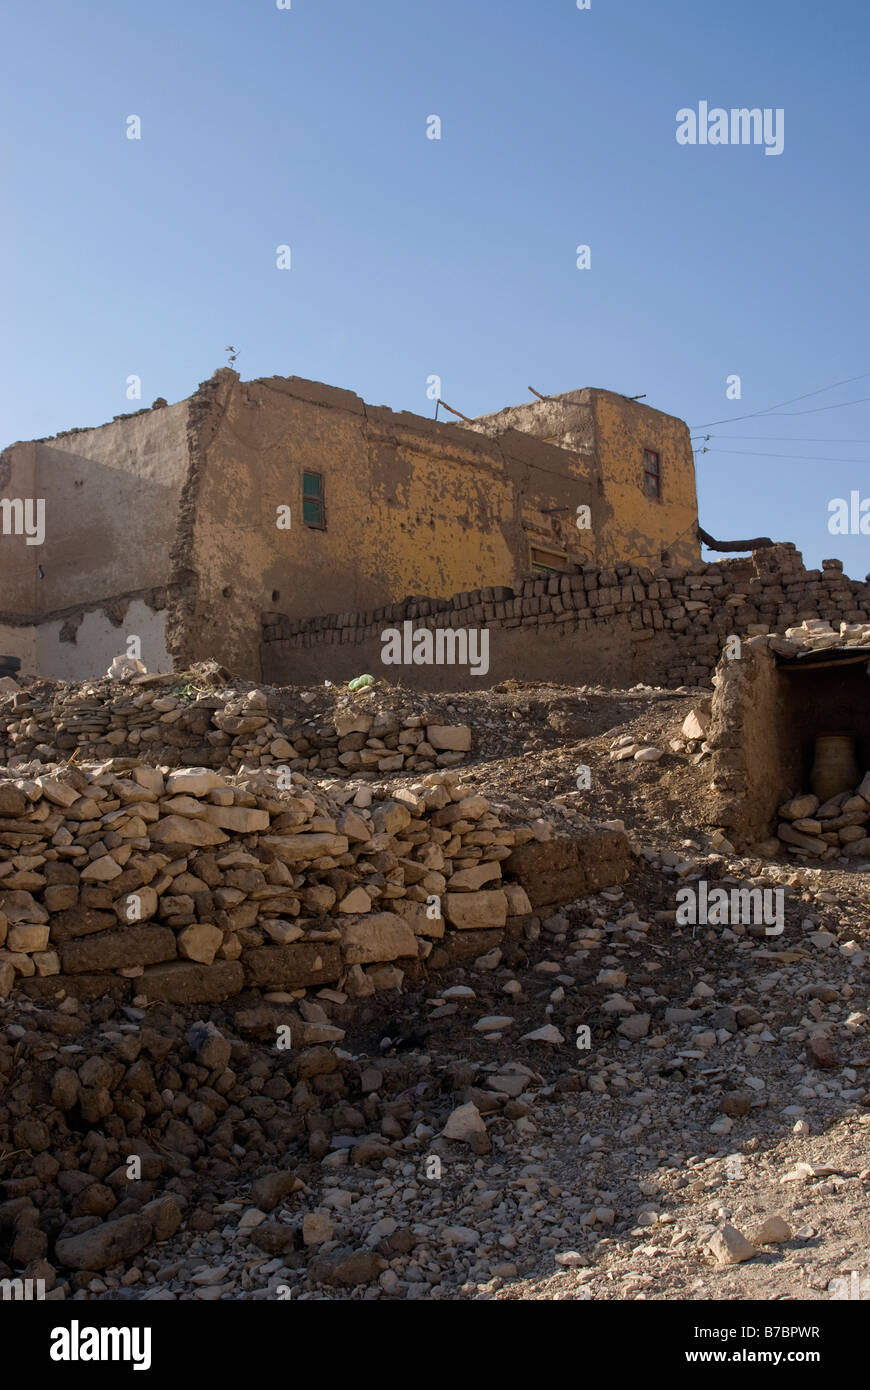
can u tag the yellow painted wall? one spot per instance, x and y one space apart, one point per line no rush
606 434
637 527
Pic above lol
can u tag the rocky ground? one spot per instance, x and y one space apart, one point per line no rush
706 1138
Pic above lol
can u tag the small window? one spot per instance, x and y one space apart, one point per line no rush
652 474
548 561
313 513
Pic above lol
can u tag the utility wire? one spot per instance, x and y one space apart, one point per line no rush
782 438
756 454
768 409
816 408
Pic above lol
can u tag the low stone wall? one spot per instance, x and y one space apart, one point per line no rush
149 720
616 626
185 886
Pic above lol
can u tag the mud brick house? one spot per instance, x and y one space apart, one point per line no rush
182 524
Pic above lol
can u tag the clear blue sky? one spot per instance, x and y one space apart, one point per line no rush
413 257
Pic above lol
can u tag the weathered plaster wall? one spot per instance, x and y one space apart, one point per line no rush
638 527
608 433
411 506
112 497
98 640
82 644
567 420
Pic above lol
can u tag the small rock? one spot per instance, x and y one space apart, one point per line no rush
317 1228
696 724
821 1054
772 1231
547 1034
466 1125
730 1247
110 1243
493 1023
268 1191
347 1268
635 1027
572 1259
736 1103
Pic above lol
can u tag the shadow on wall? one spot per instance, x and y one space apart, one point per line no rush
111 533
107 534
107 531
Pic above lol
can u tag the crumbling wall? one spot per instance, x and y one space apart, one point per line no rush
80 642
187 722
747 783
185 886
83 643
204 498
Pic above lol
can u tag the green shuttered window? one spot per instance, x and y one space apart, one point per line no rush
313 510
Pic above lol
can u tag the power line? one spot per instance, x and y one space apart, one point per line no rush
782 438
768 409
755 454
816 408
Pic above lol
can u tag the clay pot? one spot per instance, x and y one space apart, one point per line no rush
835 766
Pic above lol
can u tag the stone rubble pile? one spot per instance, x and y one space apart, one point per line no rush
174 721
834 829
626 747
185 885
692 740
816 634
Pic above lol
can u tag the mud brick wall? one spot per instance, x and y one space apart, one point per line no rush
618 626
